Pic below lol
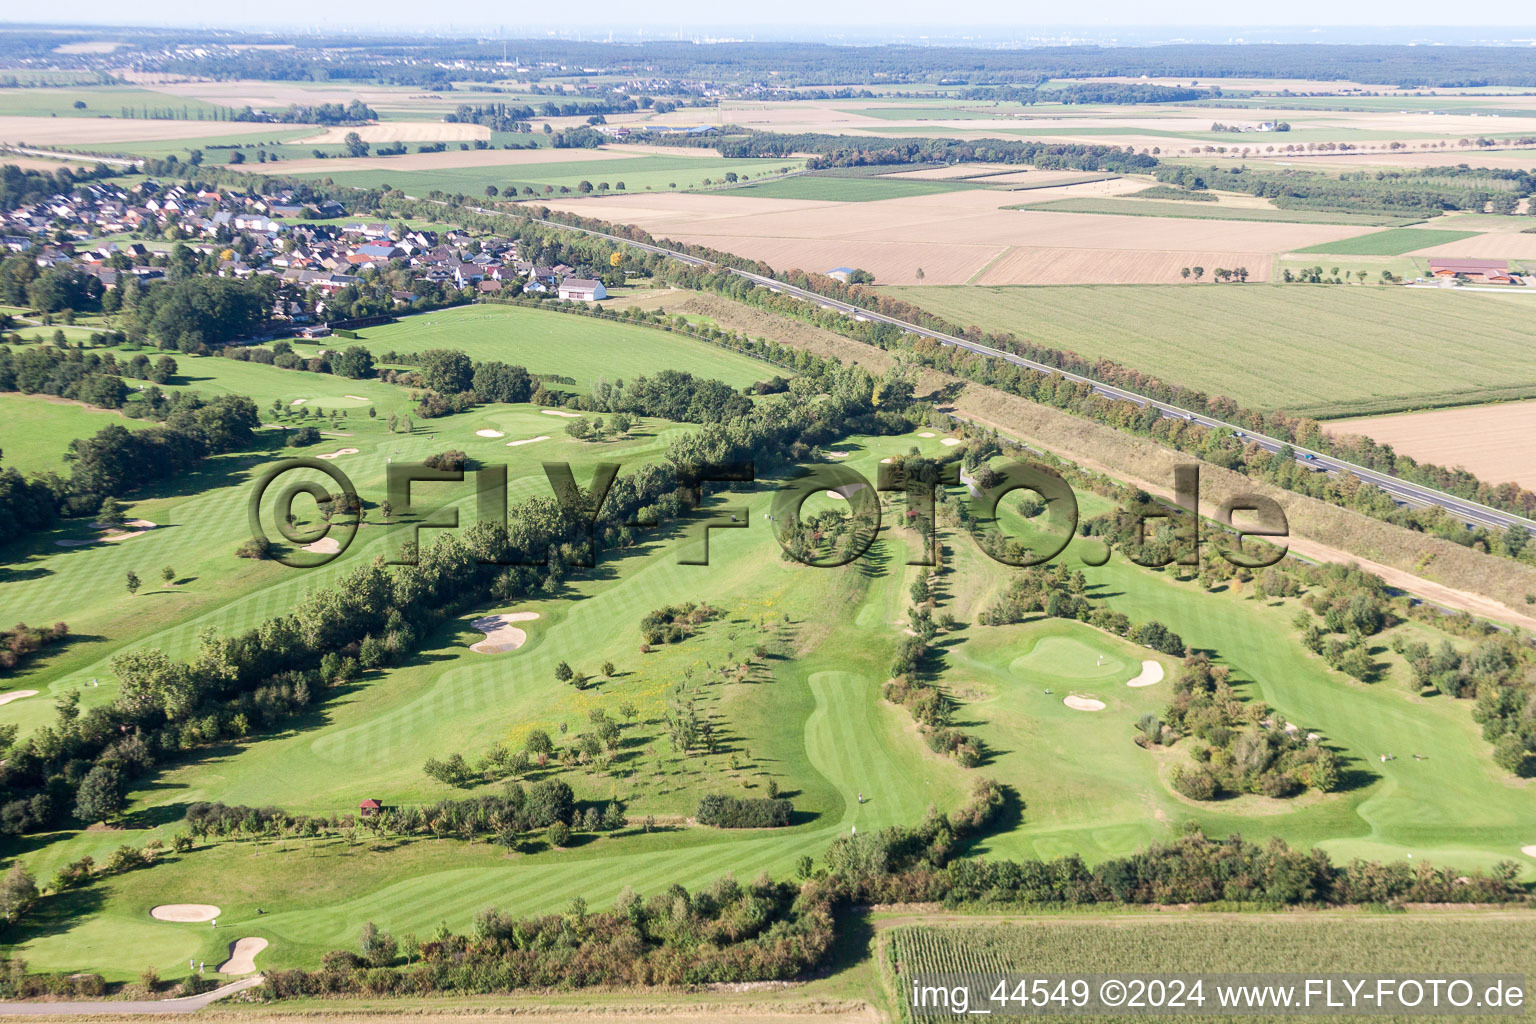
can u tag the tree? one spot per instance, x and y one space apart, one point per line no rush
132 581
1199 272
111 513
559 833
100 797
608 669
168 574
1184 273
355 144
18 890
355 362
446 371
563 672
378 947
386 509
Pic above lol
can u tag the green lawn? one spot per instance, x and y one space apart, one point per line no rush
547 342
638 173
847 190
35 430
1274 347
1210 211
1394 242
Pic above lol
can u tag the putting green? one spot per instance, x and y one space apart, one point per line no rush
1057 658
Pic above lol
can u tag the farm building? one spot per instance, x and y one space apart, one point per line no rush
582 289
1492 271
368 808
840 274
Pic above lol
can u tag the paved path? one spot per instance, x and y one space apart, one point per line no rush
116 1007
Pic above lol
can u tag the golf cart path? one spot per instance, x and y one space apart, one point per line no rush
116 1007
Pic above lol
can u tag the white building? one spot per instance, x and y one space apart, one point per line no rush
582 289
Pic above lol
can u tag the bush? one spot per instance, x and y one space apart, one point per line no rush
559 833
449 461
736 812
303 437
1195 783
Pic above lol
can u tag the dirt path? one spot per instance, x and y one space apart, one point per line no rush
108 1008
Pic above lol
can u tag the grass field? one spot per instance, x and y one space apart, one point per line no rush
1394 242
105 101
35 430
846 190
1208 211
637 173
1248 341
545 342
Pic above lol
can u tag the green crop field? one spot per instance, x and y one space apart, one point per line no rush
846 189
1273 347
639 173
1208 211
1423 943
107 101
1394 242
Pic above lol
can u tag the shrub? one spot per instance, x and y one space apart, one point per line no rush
737 812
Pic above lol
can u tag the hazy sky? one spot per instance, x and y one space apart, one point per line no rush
846 19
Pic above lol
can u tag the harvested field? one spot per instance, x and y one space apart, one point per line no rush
956 171
91 131
1488 245
953 236
1493 441
441 161
1038 265
403 131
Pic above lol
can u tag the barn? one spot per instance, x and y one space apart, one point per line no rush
1490 271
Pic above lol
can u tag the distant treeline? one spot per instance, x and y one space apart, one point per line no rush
1424 191
851 151
1091 92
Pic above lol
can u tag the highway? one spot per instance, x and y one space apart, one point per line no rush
1405 492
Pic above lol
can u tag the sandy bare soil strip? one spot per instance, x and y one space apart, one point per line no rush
6 698
184 912
1077 703
561 412
527 440
1493 441
1151 672
500 635
242 956
402 131
437 161
489 433
338 451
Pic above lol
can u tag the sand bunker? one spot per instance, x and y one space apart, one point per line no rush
324 546
1151 672
950 442
888 460
6 698
838 455
528 440
184 912
355 398
339 451
1529 851
132 528
489 433
927 433
298 401
500 635
561 412
242 956
1083 704
845 492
